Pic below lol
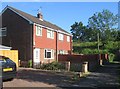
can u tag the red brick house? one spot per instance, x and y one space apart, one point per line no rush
33 37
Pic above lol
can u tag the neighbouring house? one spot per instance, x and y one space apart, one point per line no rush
33 37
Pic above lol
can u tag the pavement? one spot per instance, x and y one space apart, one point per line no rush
105 76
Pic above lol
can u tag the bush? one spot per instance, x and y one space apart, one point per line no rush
111 57
30 63
52 66
94 51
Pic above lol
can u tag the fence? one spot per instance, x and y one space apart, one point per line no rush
12 54
76 61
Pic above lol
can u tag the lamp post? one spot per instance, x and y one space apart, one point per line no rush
98 41
99 56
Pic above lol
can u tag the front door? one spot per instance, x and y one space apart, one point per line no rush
36 55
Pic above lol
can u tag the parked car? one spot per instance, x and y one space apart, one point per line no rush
8 68
1 82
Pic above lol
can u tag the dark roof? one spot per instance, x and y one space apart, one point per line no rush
36 20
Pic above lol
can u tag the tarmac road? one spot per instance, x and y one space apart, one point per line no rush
105 76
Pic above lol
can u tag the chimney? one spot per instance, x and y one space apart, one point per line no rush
40 16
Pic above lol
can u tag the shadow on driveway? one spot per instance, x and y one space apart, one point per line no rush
105 76
32 75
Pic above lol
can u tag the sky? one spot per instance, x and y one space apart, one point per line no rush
64 14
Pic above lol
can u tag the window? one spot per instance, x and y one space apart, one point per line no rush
3 31
50 34
49 53
38 31
61 51
68 38
61 36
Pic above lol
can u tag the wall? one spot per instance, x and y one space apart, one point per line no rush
19 34
12 54
77 60
43 42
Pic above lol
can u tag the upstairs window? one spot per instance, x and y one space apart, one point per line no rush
61 37
38 31
3 32
50 34
49 53
68 38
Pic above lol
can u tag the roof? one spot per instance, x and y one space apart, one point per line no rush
2 47
36 20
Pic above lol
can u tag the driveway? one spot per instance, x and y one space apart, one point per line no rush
105 76
28 77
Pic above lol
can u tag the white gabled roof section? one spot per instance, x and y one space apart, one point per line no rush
7 7
2 47
59 31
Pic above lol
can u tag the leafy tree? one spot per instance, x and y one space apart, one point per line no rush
118 36
77 30
90 34
103 21
83 33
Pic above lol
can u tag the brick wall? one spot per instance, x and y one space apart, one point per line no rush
77 60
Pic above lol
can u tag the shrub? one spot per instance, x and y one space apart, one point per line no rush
30 63
111 57
52 66
94 51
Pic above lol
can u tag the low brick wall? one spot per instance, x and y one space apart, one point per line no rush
77 60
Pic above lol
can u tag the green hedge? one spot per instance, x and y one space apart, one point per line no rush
94 51
53 66
109 47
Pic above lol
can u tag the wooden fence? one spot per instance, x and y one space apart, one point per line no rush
12 54
76 61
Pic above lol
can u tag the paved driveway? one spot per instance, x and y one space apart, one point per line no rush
27 77
105 76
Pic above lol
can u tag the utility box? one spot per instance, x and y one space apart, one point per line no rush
85 67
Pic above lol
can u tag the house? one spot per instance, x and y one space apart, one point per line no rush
33 37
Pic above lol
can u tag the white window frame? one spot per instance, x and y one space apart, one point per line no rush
51 34
38 30
61 36
49 50
68 38
4 29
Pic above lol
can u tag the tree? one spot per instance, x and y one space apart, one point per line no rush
83 33
118 36
90 34
103 21
77 30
